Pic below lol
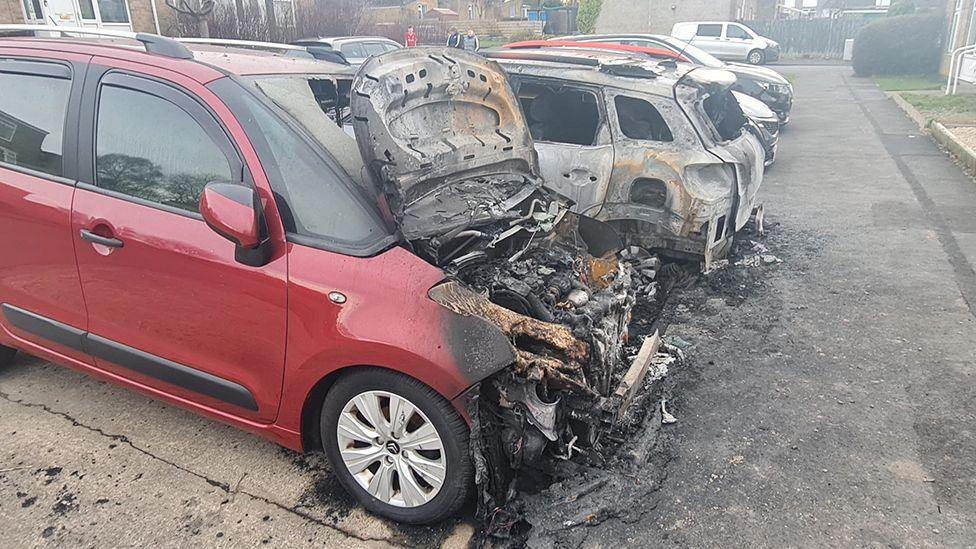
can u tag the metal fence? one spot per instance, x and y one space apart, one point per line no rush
811 37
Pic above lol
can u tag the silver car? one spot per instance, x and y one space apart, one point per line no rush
728 40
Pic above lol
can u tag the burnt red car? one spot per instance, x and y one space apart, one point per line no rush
196 225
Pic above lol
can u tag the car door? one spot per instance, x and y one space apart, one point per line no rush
709 38
572 136
169 305
40 292
738 41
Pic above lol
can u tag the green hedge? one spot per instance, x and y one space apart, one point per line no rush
904 44
589 11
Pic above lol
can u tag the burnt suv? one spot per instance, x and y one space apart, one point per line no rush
193 224
660 150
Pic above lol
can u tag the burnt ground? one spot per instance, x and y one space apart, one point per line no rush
827 399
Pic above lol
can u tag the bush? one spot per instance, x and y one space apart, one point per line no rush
589 11
904 44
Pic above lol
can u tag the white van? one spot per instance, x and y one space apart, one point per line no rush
728 40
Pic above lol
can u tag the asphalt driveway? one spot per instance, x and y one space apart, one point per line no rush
830 400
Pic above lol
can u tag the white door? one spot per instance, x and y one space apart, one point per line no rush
61 13
33 12
708 37
738 41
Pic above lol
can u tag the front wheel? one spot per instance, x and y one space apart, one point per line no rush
398 446
756 57
6 355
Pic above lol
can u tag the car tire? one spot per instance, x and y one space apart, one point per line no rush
379 463
756 57
6 355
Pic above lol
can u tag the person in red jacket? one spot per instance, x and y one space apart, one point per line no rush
410 37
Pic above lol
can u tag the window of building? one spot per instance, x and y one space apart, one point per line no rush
87 9
32 121
560 115
710 30
640 120
168 163
113 11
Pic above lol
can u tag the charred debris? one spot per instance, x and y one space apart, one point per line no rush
450 156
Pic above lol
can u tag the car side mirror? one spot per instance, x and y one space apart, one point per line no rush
234 212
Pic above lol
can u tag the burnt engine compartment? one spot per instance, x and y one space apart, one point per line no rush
562 288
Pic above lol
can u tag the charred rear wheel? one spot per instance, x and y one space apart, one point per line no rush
6 355
756 57
397 445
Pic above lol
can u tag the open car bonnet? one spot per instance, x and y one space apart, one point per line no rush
434 125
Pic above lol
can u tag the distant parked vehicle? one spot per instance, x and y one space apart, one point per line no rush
356 49
763 83
727 40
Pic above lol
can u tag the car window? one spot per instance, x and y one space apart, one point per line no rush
353 51
640 120
735 31
149 148
313 201
710 30
32 121
374 48
560 115
390 47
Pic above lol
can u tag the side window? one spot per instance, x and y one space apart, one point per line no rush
149 148
710 30
560 114
641 120
311 199
735 31
32 118
353 51
374 48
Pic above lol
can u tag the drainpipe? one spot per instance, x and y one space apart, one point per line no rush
152 5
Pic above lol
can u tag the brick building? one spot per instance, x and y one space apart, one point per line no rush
136 15
658 16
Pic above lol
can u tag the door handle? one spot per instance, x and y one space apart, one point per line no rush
103 240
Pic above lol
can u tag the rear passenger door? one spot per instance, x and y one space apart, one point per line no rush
572 136
709 37
170 307
40 292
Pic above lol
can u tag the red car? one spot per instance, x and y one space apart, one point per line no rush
196 226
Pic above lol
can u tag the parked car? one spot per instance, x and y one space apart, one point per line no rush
193 224
661 152
765 124
355 49
728 40
763 83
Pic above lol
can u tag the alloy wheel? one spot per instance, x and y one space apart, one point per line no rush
391 449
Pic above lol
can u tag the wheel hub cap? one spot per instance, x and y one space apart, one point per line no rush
391 449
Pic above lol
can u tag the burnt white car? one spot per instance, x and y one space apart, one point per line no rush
661 151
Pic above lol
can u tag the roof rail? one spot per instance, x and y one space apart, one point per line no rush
523 55
159 45
289 49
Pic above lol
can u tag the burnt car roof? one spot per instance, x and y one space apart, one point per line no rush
591 65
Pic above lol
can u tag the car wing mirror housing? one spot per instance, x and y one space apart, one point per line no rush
234 212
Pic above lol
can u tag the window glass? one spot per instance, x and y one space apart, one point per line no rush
87 9
140 155
353 51
32 117
712 30
374 48
312 199
735 31
561 115
641 120
113 11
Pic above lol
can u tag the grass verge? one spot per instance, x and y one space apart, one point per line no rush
910 82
